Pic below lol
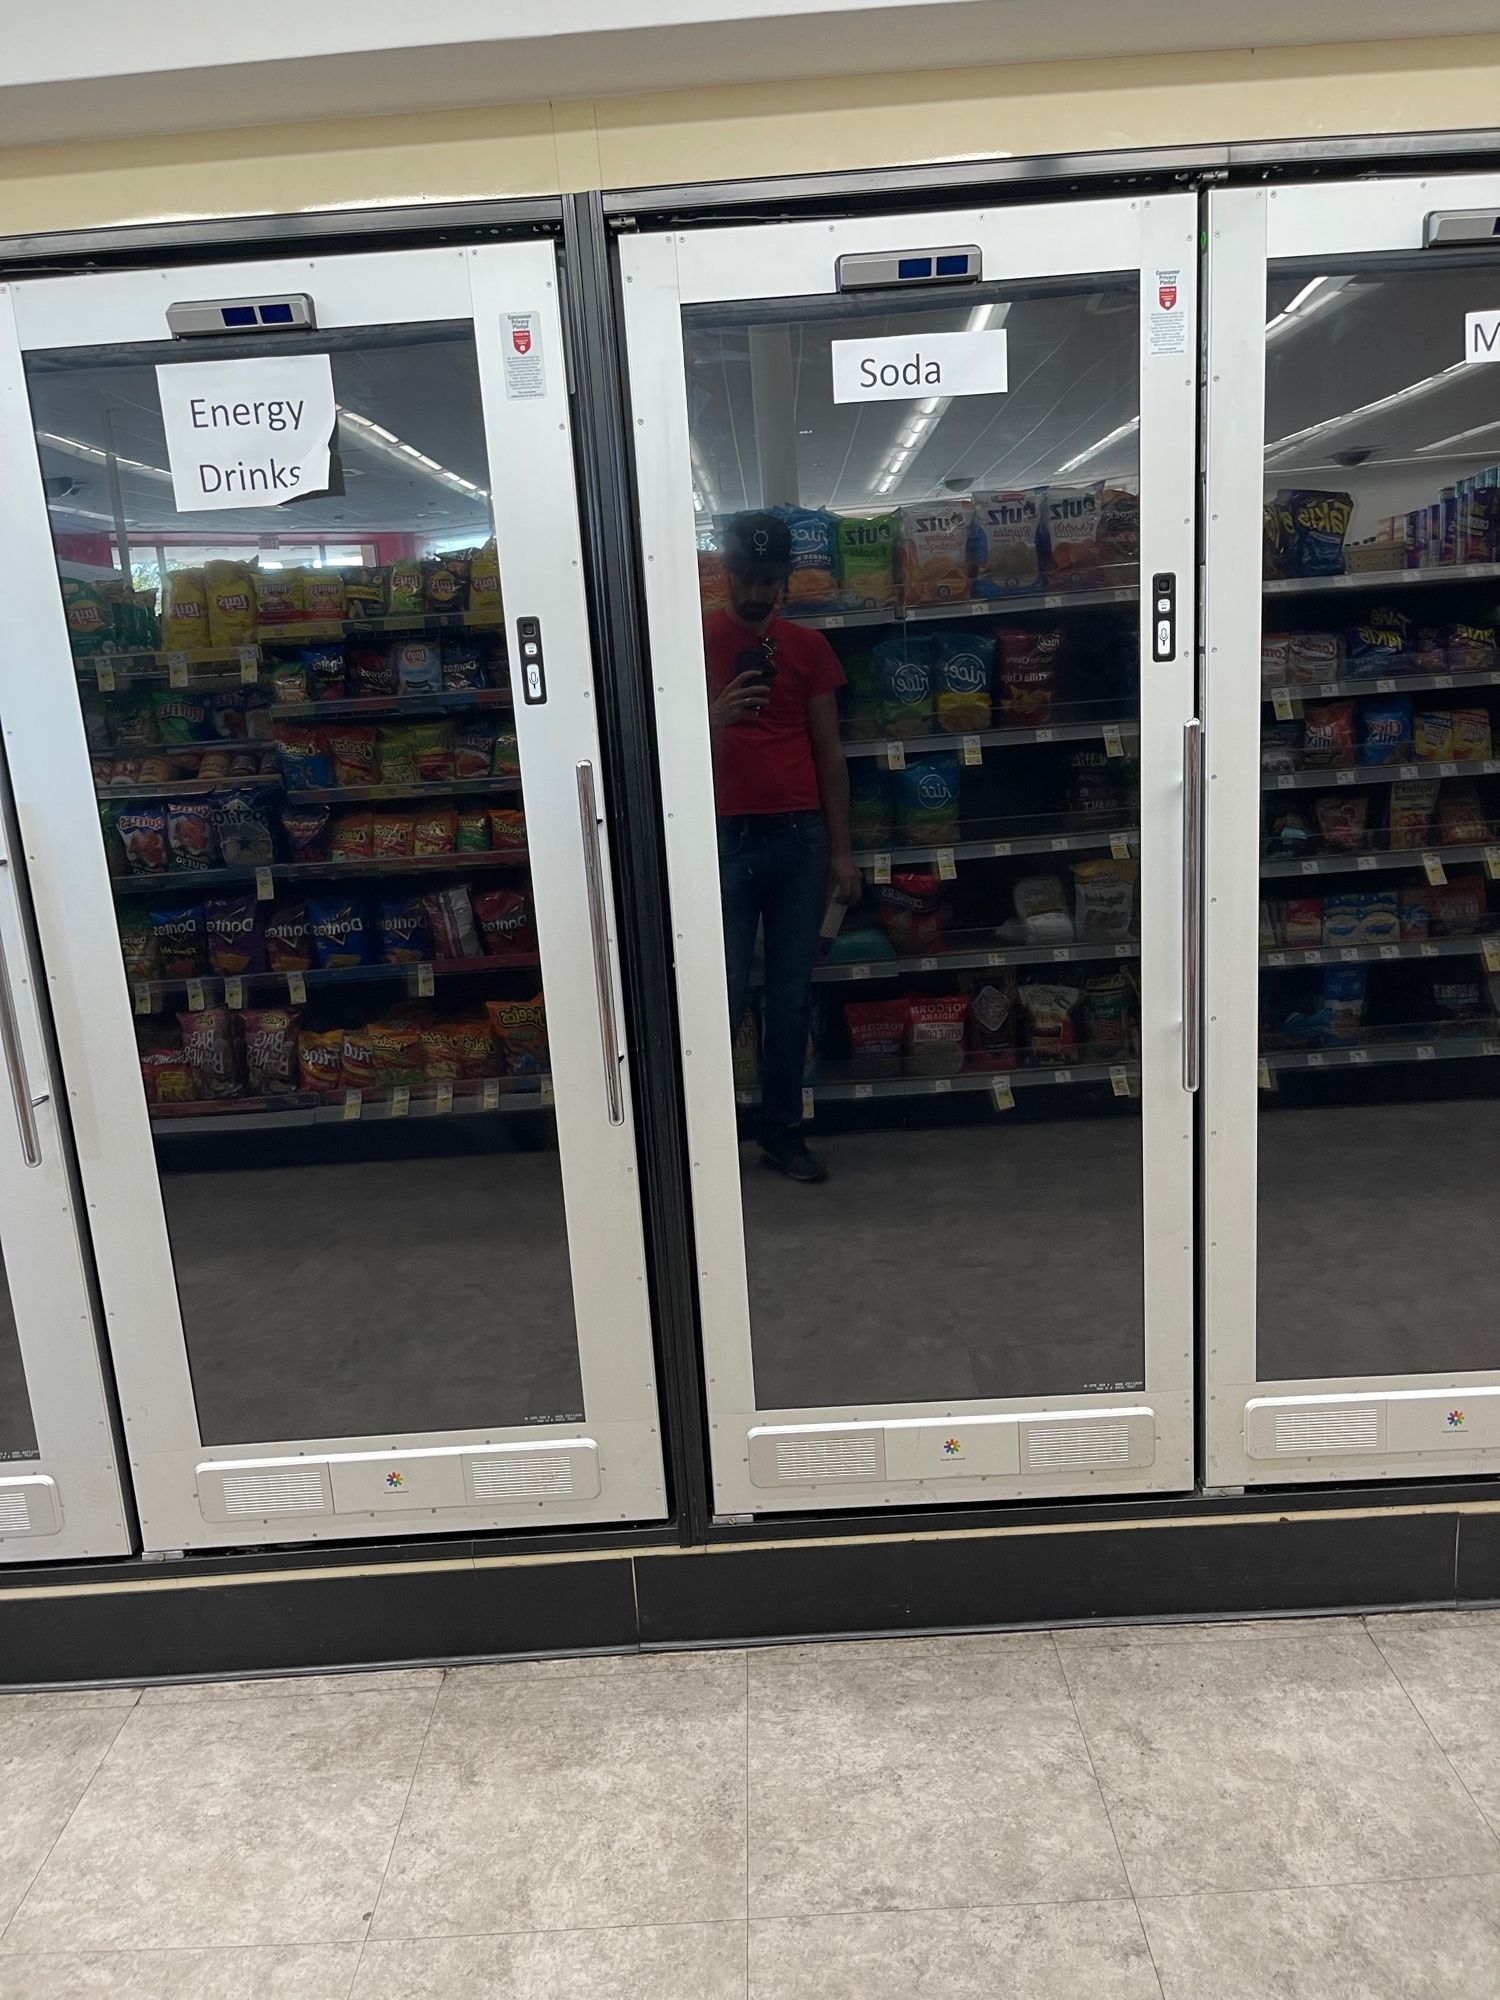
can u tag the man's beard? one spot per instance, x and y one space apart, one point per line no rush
751 613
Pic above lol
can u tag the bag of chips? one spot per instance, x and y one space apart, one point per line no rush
867 561
289 684
935 1034
1026 677
451 916
357 1069
180 718
814 578
397 1051
1319 522
1103 900
962 666
474 749
168 1076
520 1028
392 834
142 833
288 938
1460 817
1342 822
211 1045
242 829
472 833
1042 908
419 665
1107 1015
877 1036
1051 1034
904 668
1072 522
342 933
484 582
369 669
352 748
464 664
445 583
229 593
190 834
507 762
435 832
320 1057
1412 802
1328 735
1471 736
184 622
463 1048
181 940
933 555
306 829
352 837
505 922
507 827
405 588
365 592
323 596
236 940
870 814
1119 537
405 933
1385 731
1456 908
926 794
138 944
302 757
1005 543
271 1062
912 912
279 597
327 670
91 629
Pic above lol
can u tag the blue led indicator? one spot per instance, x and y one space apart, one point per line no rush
914 267
275 315
953 267
238 315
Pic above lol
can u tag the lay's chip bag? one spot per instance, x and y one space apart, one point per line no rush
184 619
229 596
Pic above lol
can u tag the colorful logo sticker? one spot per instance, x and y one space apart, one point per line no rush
1455 1420
951 1447
395 1481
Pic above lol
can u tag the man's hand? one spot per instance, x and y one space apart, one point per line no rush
844 878
743 699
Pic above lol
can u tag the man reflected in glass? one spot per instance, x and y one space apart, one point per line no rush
781 787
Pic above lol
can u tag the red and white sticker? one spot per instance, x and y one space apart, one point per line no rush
521 350
1166 314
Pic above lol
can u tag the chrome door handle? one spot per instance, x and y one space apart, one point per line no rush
1192 902
15 1066
604 978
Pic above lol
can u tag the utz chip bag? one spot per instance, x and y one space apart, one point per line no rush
236 939
288 938
814 577
1119 536
1319 522
279 597
962 666
270 1040
229 595
520 1028
342 933
320 1057
904 668
926 795
91 627
1006 543
933 562
505 922
211 1044
190 834
1072 524
1026 678
181 941
405 933
184 617
866 554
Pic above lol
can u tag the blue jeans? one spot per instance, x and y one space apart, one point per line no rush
773 876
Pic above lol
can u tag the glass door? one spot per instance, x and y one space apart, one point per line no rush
1352 703
304 738
917 500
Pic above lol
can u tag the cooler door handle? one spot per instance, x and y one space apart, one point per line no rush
1192 903
604 978
15 1065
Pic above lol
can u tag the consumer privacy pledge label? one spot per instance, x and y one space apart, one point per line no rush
891 369
253 433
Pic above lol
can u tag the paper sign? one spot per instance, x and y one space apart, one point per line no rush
1482 336
1166 315
251 433
525 370
296 989
898 367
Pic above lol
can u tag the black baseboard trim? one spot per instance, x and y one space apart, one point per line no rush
465 1601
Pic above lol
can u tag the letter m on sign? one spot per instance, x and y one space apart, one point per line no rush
1482 336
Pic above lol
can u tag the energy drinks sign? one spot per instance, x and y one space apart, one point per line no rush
895 368
252 433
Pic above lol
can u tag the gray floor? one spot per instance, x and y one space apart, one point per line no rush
336 1300
1379 1227
1307 1810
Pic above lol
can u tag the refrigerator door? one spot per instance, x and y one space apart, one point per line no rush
301 717
1353 836
917 506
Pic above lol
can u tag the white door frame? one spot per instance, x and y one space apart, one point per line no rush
532 478
662 274
1248 229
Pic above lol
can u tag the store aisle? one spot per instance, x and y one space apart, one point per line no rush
1308 1808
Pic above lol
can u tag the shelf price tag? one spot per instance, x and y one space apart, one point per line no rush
1002 1096
353 1104
177 670
1264 1078
424 982
1119 846
1492 954
895 756
807 1105
490 1097
1114 742
1308 867
1492 863
864 1090
265 886
234 992
1437 874
1385 687
1447 770
1041 735
1350 954
1366 862
142 991
1345 777
197 996
1062 1076
1389 951
443 1102
973 752
249 663
1281 705
947 872
400 1099
104 674
880 868
1426 1052
1119 1080
296 989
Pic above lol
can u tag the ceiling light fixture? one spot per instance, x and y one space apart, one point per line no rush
1411 394
919 424
1314 295
379 439
98 456
1100 444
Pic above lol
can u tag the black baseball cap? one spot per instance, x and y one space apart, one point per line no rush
758 546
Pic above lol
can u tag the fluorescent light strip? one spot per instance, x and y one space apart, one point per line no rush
1100 444
386 442
1461 437
919 426
1314 295
1412 393
98 456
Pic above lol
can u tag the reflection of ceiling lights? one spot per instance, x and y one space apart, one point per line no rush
378 438
78 513
96 455
1410 394
1461 437
705 500
1314 295
1100 444
919 426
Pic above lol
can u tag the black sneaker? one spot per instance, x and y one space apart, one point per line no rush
790 1156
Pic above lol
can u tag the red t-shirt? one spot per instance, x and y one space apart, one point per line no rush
766 765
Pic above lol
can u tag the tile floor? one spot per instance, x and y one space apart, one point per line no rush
1307 1810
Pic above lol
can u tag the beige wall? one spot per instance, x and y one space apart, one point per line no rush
798 125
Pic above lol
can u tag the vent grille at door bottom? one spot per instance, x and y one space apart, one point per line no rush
297 1490
828 1458
1299 1431
1057 1447
15 1515
527 1475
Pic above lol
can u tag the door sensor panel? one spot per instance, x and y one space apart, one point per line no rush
876 270
288 312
